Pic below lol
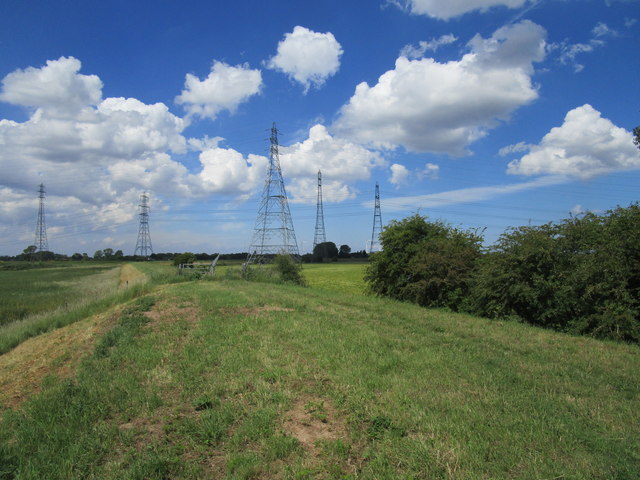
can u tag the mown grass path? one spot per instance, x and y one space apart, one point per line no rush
229 379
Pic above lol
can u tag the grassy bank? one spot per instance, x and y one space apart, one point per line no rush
229 379
59 296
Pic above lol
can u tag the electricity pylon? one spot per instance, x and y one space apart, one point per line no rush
41 243
143 244
320 236
377 224
273 233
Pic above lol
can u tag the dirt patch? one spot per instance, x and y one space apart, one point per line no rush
55 353
312 420
254 311
170 311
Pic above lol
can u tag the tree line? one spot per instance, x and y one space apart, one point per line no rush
581 275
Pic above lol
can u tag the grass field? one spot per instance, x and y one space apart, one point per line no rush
27 292
340 277
240 380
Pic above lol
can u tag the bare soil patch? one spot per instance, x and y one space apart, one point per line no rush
169 311
313 419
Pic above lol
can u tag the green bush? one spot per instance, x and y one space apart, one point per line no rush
580 276
428 263
290 271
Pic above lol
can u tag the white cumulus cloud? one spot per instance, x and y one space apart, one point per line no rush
225 170
584 146
307 57
424 105
399 174
339 160
95 156
57 86
446 9
225 88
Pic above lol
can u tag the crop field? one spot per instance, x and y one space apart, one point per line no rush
232 379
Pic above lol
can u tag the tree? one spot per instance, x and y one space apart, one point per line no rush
119 254
325 250
98 255
186 257
107 253
636 135
76 256
428 263
28 253
344 252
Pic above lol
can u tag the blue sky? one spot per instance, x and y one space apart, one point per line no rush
482 113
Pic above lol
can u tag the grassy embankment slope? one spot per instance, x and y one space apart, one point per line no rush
245 380
36 300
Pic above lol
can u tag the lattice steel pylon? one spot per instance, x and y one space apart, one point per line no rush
374 246
273 233
319 236
41 243
143 244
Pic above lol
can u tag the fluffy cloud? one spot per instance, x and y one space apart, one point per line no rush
445 10
96 155
339 160
307 57
585 145
424 105
225 88
225 170
56 87
399 174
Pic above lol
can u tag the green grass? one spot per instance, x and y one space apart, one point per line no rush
55 297
27 292
227 378
339 277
